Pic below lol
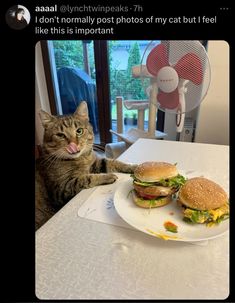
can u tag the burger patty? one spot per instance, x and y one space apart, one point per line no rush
154 190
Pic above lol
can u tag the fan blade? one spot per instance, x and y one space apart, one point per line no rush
190 67
157 59
168 100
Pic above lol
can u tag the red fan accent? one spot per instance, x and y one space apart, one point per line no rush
169 100
157 59
189 67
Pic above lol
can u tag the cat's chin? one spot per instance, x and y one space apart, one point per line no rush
76 155
73 156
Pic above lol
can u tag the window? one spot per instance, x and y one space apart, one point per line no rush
96 71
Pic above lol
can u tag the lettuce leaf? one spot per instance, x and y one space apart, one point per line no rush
176 181
201 216
179 180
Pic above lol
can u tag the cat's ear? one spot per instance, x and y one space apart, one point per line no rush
82 111
46 118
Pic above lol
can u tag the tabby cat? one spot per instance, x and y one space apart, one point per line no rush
68 163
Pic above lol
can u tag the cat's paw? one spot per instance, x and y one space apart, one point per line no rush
128 168
110 178
132 168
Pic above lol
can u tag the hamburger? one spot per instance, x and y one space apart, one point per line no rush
155 183
203 201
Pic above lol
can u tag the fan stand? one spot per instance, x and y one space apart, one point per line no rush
180 116
140 71
152 107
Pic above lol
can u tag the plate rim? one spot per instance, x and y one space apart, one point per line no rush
172 237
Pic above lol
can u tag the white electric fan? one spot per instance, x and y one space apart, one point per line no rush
176 77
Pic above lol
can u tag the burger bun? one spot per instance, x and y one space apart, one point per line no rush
155 171
202 194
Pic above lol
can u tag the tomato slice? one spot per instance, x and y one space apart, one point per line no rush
148 197
169 226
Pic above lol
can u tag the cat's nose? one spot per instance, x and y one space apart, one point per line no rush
72 148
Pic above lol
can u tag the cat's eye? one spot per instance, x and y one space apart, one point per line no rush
80 131
61 135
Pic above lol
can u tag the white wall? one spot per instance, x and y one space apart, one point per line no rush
41 94
213 118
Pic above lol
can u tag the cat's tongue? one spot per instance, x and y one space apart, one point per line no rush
72 148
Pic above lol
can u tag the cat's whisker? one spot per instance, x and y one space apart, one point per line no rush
48 159
52 162
59 155
53 158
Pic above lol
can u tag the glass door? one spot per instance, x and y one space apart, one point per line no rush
74 77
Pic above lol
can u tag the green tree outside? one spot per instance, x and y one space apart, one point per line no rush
134 86
70 53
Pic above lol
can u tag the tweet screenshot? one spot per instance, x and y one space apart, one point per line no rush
120 138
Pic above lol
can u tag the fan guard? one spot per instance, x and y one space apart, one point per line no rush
175 51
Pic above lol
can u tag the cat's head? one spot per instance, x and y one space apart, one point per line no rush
69 136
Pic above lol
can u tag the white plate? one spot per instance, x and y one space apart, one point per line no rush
151 221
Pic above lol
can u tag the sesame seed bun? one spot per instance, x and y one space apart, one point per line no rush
150 203
202 194
155 171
